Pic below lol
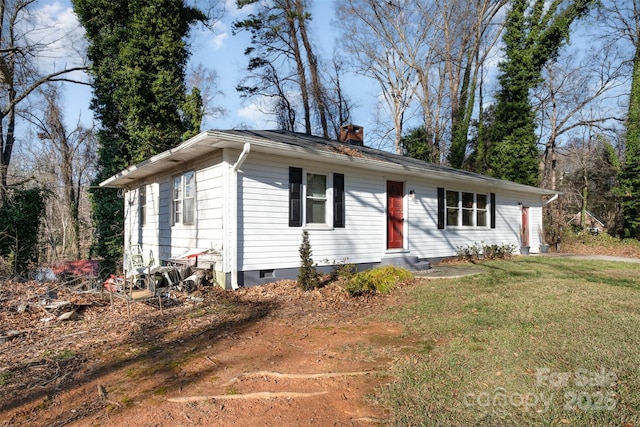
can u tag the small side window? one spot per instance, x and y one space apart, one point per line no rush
177 199
184 199
189 198
142 204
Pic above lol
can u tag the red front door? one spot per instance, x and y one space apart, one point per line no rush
395 214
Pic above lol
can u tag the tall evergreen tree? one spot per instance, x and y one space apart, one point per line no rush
416 144
535 31
630 180
625 27
138 57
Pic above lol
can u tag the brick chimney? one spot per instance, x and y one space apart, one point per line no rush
352 134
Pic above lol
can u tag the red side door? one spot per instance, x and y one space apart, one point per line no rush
525 226
395 214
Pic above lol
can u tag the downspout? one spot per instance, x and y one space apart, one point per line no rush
234 215
555 196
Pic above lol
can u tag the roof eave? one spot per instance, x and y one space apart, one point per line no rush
161 161
214 140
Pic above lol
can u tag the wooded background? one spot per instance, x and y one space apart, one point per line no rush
498 87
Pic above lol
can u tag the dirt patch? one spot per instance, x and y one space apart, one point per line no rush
268 355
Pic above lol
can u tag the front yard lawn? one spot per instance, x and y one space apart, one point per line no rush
532 341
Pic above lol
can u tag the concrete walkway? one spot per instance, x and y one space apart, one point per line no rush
445 271
589 257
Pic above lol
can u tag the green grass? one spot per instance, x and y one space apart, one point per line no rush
533 341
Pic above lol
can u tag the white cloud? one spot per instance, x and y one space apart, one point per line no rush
60 37
220 35
218 40
254 114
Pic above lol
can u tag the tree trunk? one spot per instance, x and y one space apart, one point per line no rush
316 84
585 195
7 148
297 54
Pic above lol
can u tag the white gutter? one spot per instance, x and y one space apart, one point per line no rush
555 196
233 221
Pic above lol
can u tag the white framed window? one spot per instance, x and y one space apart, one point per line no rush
142 204
464 209
481 210
316 199
452 208
183 198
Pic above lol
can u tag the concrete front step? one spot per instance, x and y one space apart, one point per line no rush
407 261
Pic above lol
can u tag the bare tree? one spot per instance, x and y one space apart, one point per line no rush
21 47
578 95
268 84
317 87
282 52
69 156
589 170
430 51
338 104
206 80
471 31
378 36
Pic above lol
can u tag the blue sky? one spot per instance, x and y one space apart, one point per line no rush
223 52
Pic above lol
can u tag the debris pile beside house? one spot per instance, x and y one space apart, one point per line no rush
51 331
64 292
59 299
145 280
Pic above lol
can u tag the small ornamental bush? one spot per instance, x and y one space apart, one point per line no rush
498 251
344 272
381 280
469 252
308 277
477 251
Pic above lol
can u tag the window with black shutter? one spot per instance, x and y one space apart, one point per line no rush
295 197
315 199
492 206
441 208
338 200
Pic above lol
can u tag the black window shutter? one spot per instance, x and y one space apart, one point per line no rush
338 200
441 208
295 197
492 201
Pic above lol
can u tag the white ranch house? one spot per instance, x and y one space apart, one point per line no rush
237 201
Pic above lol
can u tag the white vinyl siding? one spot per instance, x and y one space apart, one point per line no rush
267 240
427 241
209 207
166 239
137 234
